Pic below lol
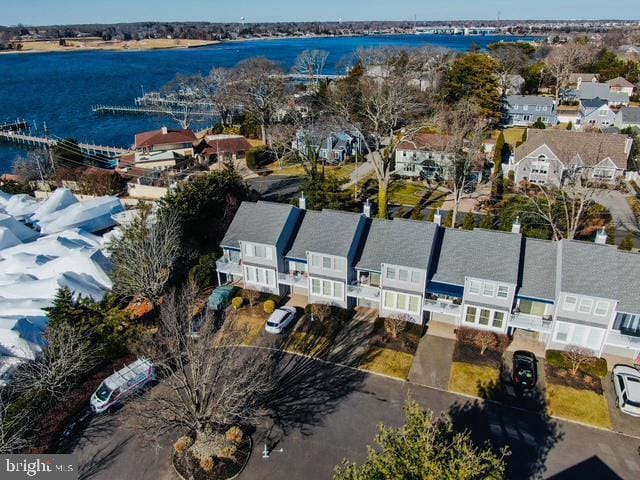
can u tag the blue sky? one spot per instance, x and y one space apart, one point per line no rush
41 12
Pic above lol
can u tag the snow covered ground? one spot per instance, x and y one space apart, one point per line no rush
45 246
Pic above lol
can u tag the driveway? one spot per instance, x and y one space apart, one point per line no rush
432 362
321 414
620 210
621 421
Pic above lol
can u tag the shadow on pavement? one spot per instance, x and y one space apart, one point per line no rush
591 468
101 460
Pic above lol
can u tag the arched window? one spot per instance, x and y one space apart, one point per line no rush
542 158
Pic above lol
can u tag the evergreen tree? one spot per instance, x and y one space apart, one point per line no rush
628 242
539 124
486 222
611 233
469 221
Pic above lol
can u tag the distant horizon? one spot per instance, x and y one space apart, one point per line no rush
70 12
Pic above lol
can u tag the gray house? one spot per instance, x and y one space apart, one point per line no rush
426 155
627 117
333 147
253 247
596 113
391 273
320 260
525 110
590 90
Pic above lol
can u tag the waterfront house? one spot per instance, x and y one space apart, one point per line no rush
622 85
223 148
425 155
550 157
627 117
254 245
596 114
164 149
525 110
332 147
589 91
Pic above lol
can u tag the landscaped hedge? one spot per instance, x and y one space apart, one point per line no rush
555 358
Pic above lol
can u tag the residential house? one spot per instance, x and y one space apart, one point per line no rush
425 155
164 149
334 147
630 50
577 79
514 84
230 148
391 273
320 262
570 114
525 110
255 243
627 117
596 114
549 157
622 85
588 91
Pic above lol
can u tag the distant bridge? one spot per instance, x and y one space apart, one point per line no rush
450 30
47 142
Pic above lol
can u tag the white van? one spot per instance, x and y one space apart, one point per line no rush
113 390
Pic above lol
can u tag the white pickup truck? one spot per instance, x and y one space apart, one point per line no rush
121 384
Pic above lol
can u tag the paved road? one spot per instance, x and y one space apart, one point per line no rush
323 414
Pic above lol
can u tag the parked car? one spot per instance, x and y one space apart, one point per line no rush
626 382
280 319
525 369
121 384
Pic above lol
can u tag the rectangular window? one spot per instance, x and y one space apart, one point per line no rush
570 302
338 290
327 288
498 319
415 276
503 291
489 289
338 264
475 287
471 315
260 251
484 316
562 333
315 286
260 276
414 304
389 300
315 261
391 273
326 263
601 308
248 249
403 275
585 305
402 302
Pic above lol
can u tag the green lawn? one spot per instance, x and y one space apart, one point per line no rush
581 405
406 193
513 136
388 362
341 171
471 379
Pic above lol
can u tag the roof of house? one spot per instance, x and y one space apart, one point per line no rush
591 146
601 271
163 137
528 100
630 114
602 90
226 144
620 82
328 231
407 243
426 141
538 272
593 103
261 222
486 254
586 77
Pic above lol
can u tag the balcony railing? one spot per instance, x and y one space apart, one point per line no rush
530 322
445 307
297 280
619 339
225 265
366 292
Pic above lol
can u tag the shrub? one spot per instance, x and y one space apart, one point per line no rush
482 339
321 311
237 302
558 359
269 306
207 464
183 444
202 274
234 435
228 452
628 242
394 326
252 296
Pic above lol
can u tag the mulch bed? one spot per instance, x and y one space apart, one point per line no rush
469 353
581 381
406 342
224 468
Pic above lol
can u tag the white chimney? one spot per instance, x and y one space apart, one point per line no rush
164 130
367 209
515 227
601 237
437 218
302 202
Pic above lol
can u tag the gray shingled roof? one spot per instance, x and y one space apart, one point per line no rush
401 242
261 222
329 231
601 271
539 269
486 254
529 100
593 103
630 114
602 90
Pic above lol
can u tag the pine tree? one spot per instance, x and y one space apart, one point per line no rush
469 221
486 222
611 233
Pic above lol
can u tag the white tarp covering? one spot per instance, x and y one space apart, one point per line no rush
21 206
93 216
24 233
59 199
7 238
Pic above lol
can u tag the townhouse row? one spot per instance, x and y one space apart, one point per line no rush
566 292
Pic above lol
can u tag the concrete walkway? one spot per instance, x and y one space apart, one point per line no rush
432 362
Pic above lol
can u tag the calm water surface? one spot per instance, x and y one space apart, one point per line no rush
59 88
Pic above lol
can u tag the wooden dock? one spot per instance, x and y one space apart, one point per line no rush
15 126
47 142
148 110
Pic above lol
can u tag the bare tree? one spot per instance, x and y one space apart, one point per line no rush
251 296
219 90
185 97
209 381
511 59
578 357
485 339
67 355
145 254
383 106
282 137
311 63
321 311
13 426
35 166
396 324
562 61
